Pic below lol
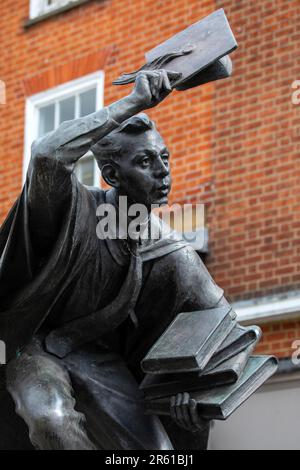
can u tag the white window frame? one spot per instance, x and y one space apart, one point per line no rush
40 7
265 309
34 102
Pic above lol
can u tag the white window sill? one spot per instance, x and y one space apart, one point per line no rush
53 12
264 309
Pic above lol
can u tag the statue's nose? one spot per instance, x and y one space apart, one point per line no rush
162 169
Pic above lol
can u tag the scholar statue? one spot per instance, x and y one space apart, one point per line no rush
78 311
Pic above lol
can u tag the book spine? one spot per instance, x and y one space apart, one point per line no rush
170 366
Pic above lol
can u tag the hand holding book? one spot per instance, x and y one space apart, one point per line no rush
152 87
207 354
183 410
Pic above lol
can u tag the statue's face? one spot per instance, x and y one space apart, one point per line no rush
144 173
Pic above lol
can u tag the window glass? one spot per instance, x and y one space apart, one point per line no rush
46 119
85 171
67 109
87 102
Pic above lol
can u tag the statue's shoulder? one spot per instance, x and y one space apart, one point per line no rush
159 225
97 193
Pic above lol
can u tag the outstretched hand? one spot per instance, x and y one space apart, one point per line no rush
184 412
152 87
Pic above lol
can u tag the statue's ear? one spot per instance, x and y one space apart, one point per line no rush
110 174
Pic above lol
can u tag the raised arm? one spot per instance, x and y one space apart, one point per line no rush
74 138
54 156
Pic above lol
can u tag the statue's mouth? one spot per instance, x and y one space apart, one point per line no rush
164 190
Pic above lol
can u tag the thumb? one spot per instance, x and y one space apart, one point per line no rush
173 75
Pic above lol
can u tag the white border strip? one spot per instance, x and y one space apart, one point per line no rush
263 309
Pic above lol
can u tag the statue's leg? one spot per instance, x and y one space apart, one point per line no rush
108 395
42 393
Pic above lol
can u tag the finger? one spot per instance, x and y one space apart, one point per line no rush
148 74
146 79
172 408
186 398
178 399
199 422
154 86
156 83
167 83
178 410
161 82
164 87
142 76
185 411
193 412
174 75
157 87
142 79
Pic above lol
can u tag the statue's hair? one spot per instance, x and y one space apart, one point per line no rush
110 147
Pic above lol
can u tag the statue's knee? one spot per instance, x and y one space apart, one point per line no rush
47 427
50 420
39 408
42 392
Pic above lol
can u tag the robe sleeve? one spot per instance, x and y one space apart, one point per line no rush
51 169
44 240
15 245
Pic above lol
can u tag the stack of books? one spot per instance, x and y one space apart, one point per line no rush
207 354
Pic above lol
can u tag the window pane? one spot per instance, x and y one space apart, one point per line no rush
87 102
58 3
85 171
46 119
67 109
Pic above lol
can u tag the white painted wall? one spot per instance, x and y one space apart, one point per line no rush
269 420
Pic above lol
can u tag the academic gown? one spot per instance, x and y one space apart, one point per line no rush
55 270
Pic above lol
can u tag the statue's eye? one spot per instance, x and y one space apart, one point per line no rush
145 162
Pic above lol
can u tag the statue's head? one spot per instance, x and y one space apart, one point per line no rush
134 160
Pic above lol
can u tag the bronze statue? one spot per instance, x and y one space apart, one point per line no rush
74 389
79 311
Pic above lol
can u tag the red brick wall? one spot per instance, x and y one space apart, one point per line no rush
278 338
235 144
255 213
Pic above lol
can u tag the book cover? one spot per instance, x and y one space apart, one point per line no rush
199 52
190 341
